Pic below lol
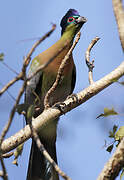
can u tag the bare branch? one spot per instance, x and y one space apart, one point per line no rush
9 84
12 97
6 128
51 113
4 172
114 165
60 71
10 68
27 61
22 75
119 15
90 65
37 43
8 155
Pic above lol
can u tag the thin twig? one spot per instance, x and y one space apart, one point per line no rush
22 75
119 15
28 39
8 155
9 84
45 153
27 61
9 93
7 126
90 65
38 42
60 71
4 172
11 69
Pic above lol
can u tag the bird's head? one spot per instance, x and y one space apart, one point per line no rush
72 21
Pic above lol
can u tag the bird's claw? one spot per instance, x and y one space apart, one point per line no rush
60 106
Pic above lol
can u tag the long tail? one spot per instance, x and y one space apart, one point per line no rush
39 168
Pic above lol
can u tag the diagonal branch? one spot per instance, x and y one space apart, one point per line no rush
38 42
22 75
60 71
6 128
27 61
18 77
114 165
51 113
119 15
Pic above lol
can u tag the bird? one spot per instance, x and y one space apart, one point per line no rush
39 167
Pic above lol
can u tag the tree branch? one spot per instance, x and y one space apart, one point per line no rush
27 61
60 71
119 15
114 165
89 64
48 115
22 75
9 84
4 172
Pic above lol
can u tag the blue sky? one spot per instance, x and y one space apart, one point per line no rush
80 136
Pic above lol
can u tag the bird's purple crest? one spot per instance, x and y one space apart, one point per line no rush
70 12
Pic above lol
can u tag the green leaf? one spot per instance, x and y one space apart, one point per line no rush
122 174
109 148
1 56
18 153
107 112
119 134
112 133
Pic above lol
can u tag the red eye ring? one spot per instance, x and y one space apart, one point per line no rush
71 19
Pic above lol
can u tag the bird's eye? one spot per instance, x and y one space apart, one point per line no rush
71 19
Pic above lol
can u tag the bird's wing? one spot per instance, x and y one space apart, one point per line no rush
33 83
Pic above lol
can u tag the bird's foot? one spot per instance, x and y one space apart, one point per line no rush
61 106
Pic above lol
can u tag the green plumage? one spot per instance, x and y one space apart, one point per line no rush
39 168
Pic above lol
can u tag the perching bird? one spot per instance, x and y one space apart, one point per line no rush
39 168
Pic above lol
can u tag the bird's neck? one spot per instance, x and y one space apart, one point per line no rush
68 36
64 44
